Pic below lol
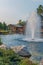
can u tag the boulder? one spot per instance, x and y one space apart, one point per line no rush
16 49
41 62
24 52
21 50
3 46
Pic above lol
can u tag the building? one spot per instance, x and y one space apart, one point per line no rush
16 29
20 29
12 28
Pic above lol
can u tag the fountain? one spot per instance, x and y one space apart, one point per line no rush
33 28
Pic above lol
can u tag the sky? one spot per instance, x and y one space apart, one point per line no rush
11 11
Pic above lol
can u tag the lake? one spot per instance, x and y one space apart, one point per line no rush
36 49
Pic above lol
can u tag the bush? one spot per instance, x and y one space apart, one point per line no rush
27 62
8 57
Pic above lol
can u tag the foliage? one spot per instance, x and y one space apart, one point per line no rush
9 57
40 10
0 42
27 62
3 26
22 23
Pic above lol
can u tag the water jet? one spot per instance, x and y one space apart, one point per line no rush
33 28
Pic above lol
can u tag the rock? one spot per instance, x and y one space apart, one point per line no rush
21 50
3 46
17 48
24 53
41 62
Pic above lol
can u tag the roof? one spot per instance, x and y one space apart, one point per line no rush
11 25
19 26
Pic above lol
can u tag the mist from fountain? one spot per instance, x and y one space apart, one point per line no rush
33 27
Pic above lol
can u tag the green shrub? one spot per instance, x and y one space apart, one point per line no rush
27 62
9 57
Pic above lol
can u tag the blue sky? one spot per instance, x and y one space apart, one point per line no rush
13 10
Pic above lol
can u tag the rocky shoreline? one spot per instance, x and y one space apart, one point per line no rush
3 46
20 50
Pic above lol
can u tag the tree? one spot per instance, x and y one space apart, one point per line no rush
1 25
22 23
4 26
40 10
1 42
